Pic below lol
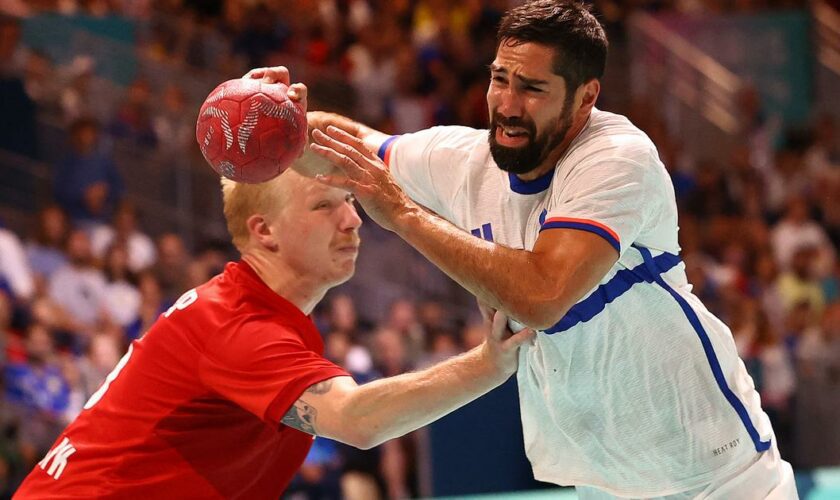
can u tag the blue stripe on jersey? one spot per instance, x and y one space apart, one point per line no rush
711 357
597 301
584 227
384 147
535 186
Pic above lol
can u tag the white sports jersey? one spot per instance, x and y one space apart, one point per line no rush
638 390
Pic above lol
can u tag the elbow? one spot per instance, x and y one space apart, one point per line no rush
540 315
359 439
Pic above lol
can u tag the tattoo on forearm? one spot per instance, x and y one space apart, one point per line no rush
321 387
301 416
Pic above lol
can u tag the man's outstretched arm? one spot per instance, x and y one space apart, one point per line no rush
367 415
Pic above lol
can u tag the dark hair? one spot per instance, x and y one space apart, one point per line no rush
569 28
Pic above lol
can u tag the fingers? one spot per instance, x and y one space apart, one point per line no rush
298 93
499 328
342 161
525 336
343 154
274 74
342 136
486 311
337 181
345 144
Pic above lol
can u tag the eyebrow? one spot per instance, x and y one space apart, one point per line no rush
528 81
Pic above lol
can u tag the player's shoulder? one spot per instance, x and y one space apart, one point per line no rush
611 145
613 135
451 138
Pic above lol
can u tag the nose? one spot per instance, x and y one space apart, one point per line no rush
350 220
510 102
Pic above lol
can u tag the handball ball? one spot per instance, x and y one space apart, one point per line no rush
250 131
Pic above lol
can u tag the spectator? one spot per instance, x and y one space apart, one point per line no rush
818 369
797 230
39 393
174 122
152 304
710 196
87 182
798 285
100 358
125 230
402 318
133 120
84 95
372 71
45 251
79 288
40 82
172 266
408 109
260 37
121 298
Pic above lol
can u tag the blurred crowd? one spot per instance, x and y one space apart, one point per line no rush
759 220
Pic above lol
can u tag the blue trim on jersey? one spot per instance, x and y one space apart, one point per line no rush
619 284
384 147
711 357
535 186
584 227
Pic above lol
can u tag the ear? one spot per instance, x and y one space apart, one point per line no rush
587 94
261 232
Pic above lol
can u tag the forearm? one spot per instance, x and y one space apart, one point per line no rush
509 280
394 406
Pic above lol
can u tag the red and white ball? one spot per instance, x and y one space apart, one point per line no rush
250 131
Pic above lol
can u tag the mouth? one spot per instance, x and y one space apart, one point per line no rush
348 249
512 137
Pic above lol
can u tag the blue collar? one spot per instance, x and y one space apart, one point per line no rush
535 186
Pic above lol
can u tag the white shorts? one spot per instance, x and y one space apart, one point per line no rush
768 477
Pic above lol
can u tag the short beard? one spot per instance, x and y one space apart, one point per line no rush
529 157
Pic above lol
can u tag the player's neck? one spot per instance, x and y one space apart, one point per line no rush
303 291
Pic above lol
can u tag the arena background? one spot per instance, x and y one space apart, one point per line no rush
740 97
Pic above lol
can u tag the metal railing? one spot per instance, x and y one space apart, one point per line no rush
667 64
827 35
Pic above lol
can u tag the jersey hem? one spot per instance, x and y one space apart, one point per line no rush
680 487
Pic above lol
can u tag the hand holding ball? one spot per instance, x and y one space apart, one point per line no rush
250 131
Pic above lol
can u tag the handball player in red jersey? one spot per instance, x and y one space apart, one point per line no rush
223 396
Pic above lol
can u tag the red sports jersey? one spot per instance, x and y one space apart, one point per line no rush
193 409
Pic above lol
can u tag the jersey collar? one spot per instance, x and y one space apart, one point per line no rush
542 182
535 186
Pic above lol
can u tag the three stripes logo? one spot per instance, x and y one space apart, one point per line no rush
485 232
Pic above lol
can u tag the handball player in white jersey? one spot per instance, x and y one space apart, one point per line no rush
563 217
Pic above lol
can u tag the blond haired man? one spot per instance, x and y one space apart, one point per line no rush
223 395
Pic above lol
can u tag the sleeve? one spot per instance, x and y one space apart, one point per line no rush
613 198
264 368
430 165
